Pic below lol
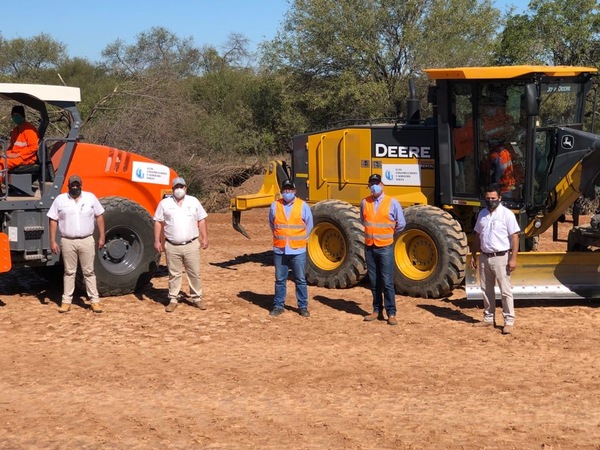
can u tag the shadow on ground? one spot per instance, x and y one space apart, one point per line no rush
265 258
340 304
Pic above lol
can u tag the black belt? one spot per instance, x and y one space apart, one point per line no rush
491 255
73 238
181 243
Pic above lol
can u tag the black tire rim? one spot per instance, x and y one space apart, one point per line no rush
122 252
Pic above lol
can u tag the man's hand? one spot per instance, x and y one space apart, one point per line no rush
512 263
473 261
54 247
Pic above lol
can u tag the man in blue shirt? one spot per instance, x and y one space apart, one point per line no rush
291 222
383 219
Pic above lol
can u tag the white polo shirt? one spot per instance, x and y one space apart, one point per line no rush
496 228
180 221
76 218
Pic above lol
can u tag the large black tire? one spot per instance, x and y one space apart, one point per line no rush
128 260
336 246
431 253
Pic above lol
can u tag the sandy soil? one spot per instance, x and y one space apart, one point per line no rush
231 377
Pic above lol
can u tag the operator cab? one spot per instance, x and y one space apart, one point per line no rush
520 127
29 180
488 137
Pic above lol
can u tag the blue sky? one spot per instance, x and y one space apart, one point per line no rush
86 27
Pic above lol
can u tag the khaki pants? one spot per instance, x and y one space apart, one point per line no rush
84 251
495 269
186 257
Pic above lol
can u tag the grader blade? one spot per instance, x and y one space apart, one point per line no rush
540 275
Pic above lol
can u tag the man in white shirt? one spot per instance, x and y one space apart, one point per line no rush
75 214
497 235
181 219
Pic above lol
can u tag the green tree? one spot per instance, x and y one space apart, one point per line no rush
155 50
553 32
26 59
353 57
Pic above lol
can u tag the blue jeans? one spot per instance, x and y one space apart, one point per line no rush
283 264
380 268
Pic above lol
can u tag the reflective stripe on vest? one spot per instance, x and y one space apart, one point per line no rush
290 231
379 228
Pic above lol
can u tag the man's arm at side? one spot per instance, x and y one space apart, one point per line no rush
101 231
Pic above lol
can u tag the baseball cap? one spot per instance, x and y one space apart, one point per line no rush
375 179
18 109
288 184
74 179
177 181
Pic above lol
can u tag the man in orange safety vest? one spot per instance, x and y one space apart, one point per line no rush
382 218
291 222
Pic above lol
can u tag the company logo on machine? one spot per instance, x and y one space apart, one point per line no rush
402 151
143 172
389 176
567 142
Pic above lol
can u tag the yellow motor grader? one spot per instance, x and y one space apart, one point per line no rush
436 168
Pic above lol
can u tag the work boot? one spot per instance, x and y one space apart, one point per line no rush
276 312
507 329
198 304
64 308
304 312
377 315
96 307
392 320
171 307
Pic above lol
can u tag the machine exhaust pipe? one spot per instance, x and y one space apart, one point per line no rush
413 110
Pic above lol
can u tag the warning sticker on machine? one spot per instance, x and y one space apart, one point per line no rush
402 174
150 173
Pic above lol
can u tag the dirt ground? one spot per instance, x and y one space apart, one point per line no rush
231 377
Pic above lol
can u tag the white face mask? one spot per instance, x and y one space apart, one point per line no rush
179 193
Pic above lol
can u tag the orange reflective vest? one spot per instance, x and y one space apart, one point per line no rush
290 230
507 178
24 141
379 228
497 126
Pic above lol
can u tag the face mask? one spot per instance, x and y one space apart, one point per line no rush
75 191
492 204
375 189
17 119
179 193
288 196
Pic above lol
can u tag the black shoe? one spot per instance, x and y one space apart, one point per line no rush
304 312
276 312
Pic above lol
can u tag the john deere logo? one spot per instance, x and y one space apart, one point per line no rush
567 142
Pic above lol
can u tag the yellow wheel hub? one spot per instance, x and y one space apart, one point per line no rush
326 246
416 255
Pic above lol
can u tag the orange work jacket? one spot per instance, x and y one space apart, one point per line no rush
24 142
379 228
290 230
507 177
497 126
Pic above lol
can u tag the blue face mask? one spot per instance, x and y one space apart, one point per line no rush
288 196
375 189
